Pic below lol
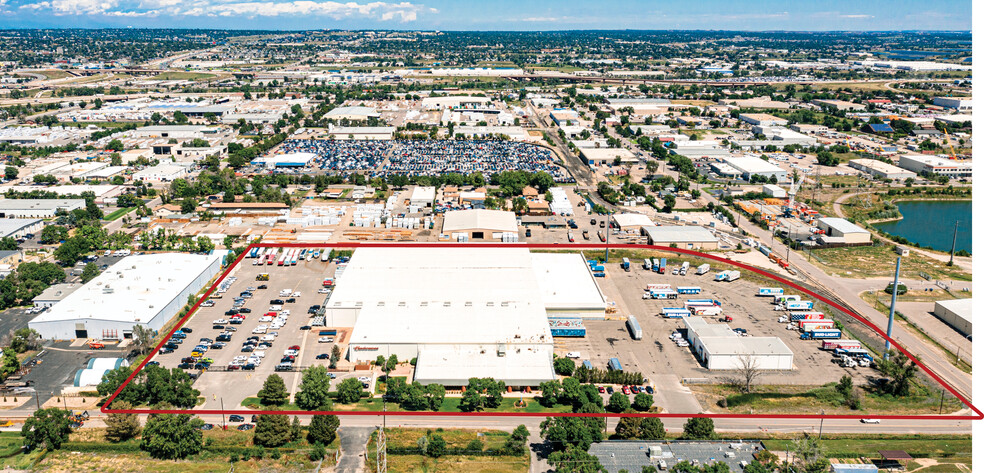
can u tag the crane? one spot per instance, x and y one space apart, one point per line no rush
793 187
947 135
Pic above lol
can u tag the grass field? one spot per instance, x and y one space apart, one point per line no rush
875 261
856 86
945 450
181 75
455 438
119 213
789 399
54 74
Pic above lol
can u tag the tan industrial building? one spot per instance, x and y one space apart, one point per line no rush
684 236
881 170
632 223
480 224
839 230
957 313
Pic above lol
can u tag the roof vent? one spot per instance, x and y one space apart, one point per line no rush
468 304
447 303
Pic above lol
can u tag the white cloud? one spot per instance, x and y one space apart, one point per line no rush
382 11
541 19
853 17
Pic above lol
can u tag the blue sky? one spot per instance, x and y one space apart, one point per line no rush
493 15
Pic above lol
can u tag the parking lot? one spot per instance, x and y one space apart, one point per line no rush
229 380
656 355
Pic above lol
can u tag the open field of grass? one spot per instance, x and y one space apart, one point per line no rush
456 439
119 213
182 75
950 450
875 261
788 399
54 74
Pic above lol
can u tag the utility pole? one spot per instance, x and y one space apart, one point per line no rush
608 226
222 410
954 245
820 437
891 312
942 392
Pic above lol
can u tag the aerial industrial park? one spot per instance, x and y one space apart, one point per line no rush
415 250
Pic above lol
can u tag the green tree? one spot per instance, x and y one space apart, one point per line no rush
115 145
564 366
349 391
617 402
391 363
901 372
699 428
272 430
436 446
578 432
180 118
549 393
642 402
172 436
46 429
120 426
312 393
517 440
574 460
322 429
89 272
274 391
188 206
669 201
10 173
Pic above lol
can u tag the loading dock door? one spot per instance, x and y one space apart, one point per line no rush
80 331
478 235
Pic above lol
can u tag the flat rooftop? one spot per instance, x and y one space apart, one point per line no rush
135 289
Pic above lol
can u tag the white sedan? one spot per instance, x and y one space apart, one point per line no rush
326 340
220 321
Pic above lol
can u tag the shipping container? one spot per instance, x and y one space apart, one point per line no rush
770 291
821 334
675 312
835 344
684 268
646 264
566 327
625 264
658 286
707 310
807 325
797 316
765 250
293 258
282 259
663 294
614 364
634 328
703 269
799 305
325 255
782 299
727 276
688 290
662 266
696 302
254 252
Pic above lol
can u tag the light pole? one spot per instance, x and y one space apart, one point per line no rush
222 411
891 312
820 437
953 246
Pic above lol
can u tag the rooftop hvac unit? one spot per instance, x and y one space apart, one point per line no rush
501 349
655 451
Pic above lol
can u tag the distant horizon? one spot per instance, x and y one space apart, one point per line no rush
419 30
494 15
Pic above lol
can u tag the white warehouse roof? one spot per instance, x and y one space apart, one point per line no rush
753 165
842 225
134 290
632 220
495 220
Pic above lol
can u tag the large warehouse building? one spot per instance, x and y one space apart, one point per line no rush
720 348
37 208
142 290
462 313
748 167
956 313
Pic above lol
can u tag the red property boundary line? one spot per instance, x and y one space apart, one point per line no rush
979 415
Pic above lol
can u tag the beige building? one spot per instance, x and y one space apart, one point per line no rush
480 224
839 230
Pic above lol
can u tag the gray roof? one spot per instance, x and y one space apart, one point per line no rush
675 234
9 226
842 225
632 455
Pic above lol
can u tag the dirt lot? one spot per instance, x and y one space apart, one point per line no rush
228 388
655 355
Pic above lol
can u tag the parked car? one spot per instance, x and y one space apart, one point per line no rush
245 427
186 329
236 418
322 356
